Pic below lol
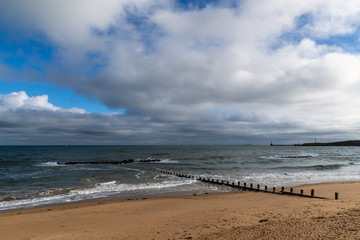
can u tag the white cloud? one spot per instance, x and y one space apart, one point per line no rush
21 101
179 67
335 18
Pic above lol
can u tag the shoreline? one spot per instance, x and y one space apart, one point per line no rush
230 215
115 198
111 199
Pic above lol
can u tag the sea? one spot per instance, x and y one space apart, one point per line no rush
33 176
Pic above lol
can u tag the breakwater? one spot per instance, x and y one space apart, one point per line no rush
111 162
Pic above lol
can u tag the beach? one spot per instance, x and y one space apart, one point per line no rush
233 215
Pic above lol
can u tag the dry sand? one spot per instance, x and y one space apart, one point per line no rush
235 215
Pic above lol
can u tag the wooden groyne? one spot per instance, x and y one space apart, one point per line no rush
251 186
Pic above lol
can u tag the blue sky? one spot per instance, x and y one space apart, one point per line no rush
179 72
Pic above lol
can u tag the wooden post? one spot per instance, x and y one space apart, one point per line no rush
244 184
239 184
291 190
251 185
336 196
282 189
312 192
273 189
258 187
301 192
265 188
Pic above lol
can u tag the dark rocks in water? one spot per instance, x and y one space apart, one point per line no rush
300 156
110 162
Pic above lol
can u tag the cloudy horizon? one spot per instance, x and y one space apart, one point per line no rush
179 72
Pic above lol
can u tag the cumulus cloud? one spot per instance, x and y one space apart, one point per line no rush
21 101
251 70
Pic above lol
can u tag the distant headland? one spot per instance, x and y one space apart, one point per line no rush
340 143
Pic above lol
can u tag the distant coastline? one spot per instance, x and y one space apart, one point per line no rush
340 143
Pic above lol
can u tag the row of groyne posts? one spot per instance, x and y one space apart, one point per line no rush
251 187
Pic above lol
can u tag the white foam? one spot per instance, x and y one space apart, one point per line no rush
50 164
168 161
288 179
99 190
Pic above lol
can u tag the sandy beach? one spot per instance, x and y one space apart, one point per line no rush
234 215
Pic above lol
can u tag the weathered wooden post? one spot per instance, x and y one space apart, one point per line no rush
239 184
244 184
312 192
265 188
258 187
301 192
274 189
282 189
291 190
336 196
251 185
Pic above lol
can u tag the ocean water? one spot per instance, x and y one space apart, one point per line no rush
31 176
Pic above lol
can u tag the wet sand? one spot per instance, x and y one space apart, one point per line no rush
234 215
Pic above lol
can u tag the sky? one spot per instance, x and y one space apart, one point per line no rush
172 72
